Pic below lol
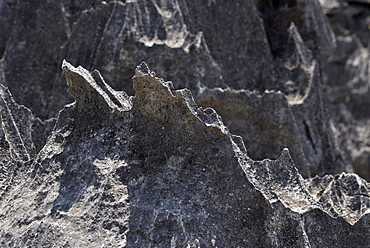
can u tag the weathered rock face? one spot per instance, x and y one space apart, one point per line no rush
157 163
160 172
274 128
346 77
156 170
209 43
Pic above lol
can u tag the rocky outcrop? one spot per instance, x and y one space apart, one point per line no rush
236 50
156 170
346 77
254 143
22 136
262 120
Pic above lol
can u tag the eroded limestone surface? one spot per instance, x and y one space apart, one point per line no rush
254 143
153 169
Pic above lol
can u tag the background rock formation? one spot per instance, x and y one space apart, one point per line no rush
148 162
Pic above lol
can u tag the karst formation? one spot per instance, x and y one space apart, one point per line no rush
177 123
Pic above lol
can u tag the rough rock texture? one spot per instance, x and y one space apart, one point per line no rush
274 128
346 76
156 170
22 136
140 161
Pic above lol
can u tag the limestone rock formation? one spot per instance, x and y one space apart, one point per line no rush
346 77
156 170
260 139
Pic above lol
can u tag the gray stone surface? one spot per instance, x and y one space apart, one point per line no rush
296 119
37 32
211 42
346 75
262 120
126 158
156 170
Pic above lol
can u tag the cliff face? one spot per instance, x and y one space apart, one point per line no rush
145 162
